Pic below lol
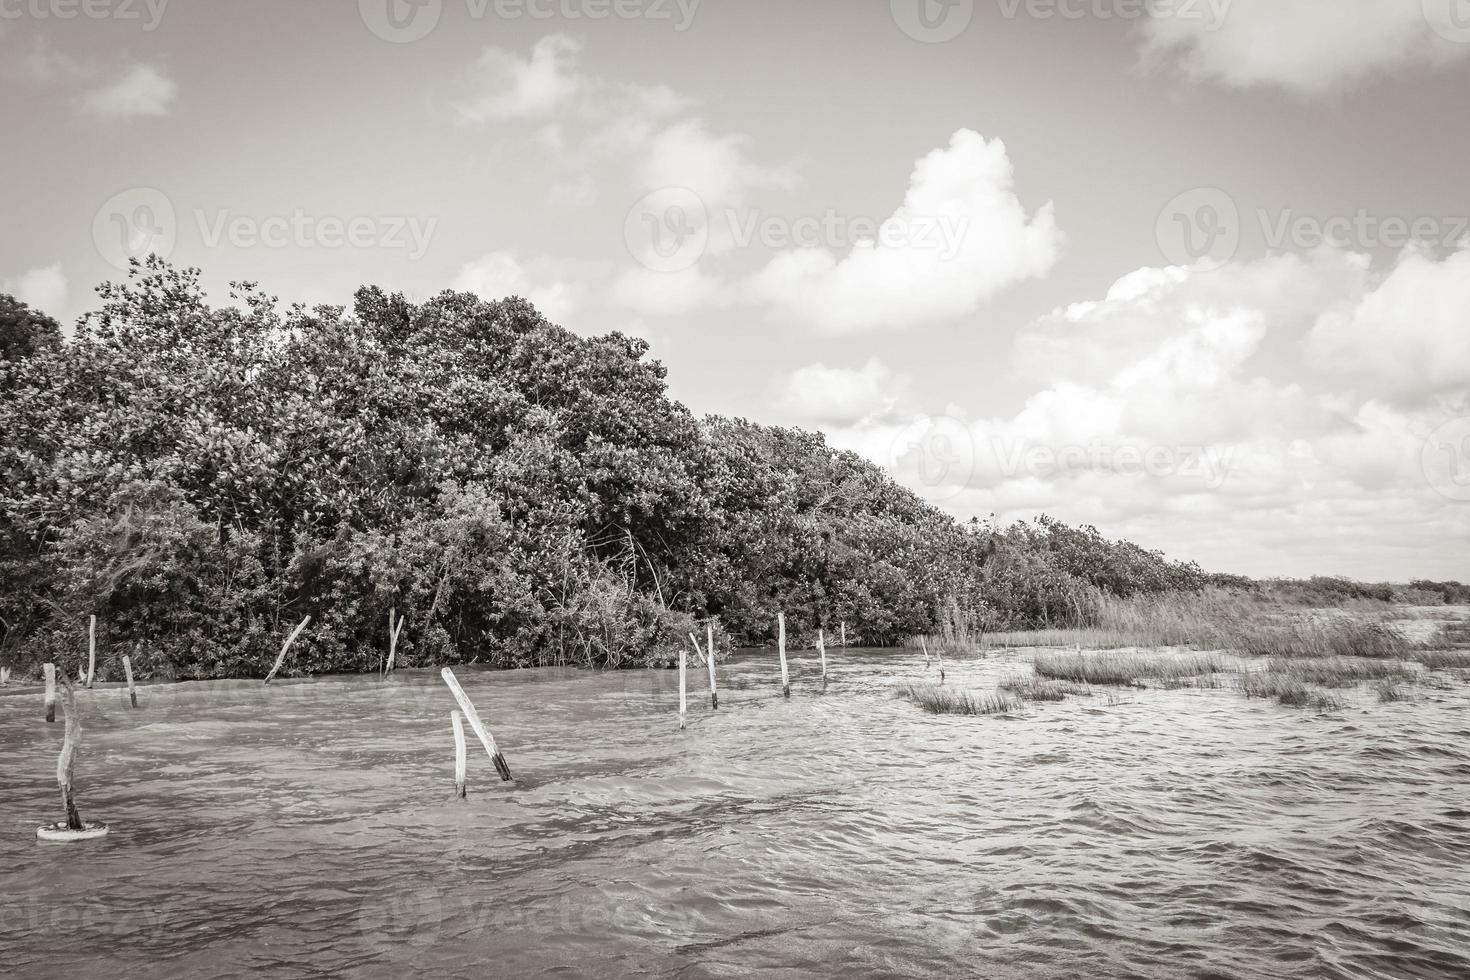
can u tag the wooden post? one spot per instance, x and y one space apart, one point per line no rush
128 673
925 645
91 650
683 690
4 676
287 646
74 828
393 632
460 789
714 696
822 650
781 646
843 641
939 653
473 717
50 671
695 640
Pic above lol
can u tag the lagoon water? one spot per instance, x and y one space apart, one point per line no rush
310 829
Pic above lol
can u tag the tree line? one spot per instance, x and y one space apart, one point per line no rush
201 478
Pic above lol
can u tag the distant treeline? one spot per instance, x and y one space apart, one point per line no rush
201 479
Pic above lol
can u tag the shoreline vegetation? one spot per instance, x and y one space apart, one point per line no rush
202 479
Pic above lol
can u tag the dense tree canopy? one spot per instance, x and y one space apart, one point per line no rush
202 478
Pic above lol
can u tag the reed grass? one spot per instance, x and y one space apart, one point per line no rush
938 700
1039 689
1287 690
1442 659
1390 692
1340 671
1125 668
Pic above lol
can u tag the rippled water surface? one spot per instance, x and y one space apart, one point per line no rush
310 829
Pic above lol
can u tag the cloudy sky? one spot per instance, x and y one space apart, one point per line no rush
1194 271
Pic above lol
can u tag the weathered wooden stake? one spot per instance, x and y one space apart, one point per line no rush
939 653
128 673
393 632
714 696
781 646
473 717
285 647
822 650
4 676
74 828
843 641
460 760
91 650
683 690
925 645
50 671
695 640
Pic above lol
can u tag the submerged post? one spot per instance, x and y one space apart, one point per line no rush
128 673
781 646
714 696
50 671
460 762
473 717
925 646
91 650
683 690
822 650
73 828
285 647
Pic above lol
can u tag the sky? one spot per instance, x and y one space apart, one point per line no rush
1196 272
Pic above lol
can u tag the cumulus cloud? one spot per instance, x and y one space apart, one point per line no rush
140 91
1261 397
960 237
842 396
556 291
1305 46
43 289
507 86
714 166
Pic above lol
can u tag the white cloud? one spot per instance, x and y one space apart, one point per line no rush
43 289
139 91
1407 337
1305 46
502 274
713 166
842 396
960 237
510 87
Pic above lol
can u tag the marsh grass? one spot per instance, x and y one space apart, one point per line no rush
1340 671
1125 669
1442 659
1039 689
1287 690
1390 692
939 700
